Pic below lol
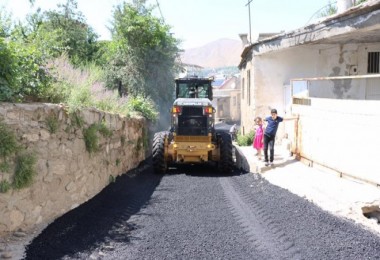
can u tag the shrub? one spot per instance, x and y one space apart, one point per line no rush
4 186
103 129
76 119
23 74
4 167
52 123
108 100
143 105
245 140
25 170
79 98
8 142
91 138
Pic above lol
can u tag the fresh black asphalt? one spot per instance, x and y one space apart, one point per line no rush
196 213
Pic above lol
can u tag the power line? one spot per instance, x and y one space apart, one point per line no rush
163 19
319 10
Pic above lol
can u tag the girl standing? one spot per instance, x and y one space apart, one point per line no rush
258 142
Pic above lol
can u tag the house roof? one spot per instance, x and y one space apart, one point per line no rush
227 84
218 82
359 24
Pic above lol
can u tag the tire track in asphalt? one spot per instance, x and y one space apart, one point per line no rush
268 220
263 231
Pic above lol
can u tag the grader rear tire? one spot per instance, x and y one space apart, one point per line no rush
160 166
225 165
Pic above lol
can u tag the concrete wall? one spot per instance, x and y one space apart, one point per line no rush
343 60
227 101
272 72
67 175
341 135
235 105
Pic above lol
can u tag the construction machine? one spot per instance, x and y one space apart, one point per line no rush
192 137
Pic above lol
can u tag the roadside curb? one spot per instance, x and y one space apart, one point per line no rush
344 197
248 162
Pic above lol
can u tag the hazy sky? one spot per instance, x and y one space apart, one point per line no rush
196 22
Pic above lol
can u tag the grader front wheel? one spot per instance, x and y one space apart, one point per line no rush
160 165
225 165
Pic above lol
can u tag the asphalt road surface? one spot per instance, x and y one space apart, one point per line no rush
195 213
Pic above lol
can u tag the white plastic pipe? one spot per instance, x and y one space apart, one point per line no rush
344 5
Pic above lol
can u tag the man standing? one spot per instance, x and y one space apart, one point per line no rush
233 132
270 135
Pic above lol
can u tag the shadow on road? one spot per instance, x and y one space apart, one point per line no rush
99 220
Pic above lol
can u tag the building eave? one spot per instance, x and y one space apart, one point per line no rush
359 24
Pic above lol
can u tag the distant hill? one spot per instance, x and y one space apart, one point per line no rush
219 53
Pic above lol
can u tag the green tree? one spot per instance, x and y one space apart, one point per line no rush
5 23
142 54
61 31
24 76
22 72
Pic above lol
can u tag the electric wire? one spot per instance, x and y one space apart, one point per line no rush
159 9
178 56
319 10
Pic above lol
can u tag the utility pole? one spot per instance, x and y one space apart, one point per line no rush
249 15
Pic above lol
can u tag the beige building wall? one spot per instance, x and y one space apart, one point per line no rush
271 75
235 105
227 101
341 135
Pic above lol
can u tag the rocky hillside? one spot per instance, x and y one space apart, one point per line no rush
219 53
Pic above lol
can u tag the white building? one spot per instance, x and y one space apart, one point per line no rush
327 75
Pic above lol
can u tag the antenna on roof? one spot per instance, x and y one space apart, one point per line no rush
249 15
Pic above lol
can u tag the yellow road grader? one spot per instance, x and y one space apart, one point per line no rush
192 138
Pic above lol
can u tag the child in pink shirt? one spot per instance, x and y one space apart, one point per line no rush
258 142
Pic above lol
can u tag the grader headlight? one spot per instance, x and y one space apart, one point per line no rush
176 110
208 110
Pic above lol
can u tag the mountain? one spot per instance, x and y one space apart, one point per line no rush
219 53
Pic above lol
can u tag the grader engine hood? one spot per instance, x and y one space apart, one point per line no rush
192 117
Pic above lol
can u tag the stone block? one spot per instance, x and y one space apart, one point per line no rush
32 137
44 134
70 186
57 167
16 218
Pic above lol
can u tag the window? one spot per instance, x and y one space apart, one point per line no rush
242 88
373 62
188 90
249 87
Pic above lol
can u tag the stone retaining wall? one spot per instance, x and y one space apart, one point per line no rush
66 173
